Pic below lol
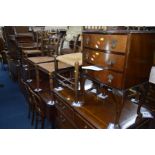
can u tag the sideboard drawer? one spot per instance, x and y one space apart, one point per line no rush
115 43
111 78
65 109
62 122
81 123
112 61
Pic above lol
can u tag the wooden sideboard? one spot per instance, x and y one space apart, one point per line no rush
94 114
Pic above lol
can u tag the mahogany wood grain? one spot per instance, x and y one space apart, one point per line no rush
115 43
112 61
108 77
97 113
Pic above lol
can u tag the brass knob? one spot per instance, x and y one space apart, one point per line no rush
63 120
61 116
87 40
63 107
110 78
113 44
110 62
87 55
85 127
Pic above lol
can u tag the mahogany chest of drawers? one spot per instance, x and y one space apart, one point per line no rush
126 58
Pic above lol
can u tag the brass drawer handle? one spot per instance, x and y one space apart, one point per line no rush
113 44
110 62
146 101
87 56
110 78
63 120
58 103
64 107
87 40
85 127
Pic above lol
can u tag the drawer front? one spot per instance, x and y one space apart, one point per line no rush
81 123
112 61
62 122
150 97
112 79
115 43
150 102
65 109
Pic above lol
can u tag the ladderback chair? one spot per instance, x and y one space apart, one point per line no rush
73 48
39 109
26 90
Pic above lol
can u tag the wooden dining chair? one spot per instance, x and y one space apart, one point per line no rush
51 43
73 47
36 111
39 109
26 90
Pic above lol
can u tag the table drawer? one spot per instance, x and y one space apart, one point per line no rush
81 123
111 78
64 108
62 122
112 61
115 43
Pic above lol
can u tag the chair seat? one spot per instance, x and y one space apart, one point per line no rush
71 59
40 59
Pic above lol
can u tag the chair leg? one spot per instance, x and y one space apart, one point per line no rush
36 123
42 122
29 112
32 121
76 71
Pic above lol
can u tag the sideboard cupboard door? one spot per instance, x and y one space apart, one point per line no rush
62 122
64 108
81 123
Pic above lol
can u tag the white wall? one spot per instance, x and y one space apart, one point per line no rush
73 31
55 27
1 36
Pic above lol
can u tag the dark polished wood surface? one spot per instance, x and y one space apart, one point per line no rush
101 59
115 43
96 113
139 59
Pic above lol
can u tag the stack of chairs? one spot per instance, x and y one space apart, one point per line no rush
50 44
36 108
